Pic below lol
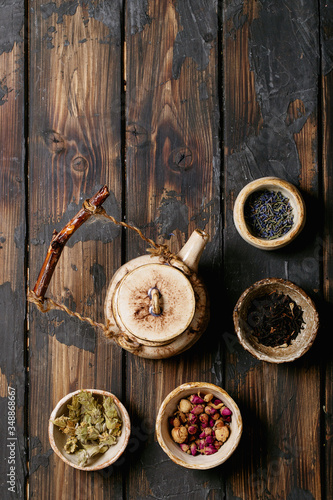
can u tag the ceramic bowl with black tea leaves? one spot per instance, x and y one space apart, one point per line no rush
98 461
269 213
275 320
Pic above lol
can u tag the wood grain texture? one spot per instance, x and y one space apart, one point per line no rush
141 96
271 128
13 442
75 148
326 38
173 177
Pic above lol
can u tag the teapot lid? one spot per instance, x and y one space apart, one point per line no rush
154 303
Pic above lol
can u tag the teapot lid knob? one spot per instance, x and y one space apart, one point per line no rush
154 303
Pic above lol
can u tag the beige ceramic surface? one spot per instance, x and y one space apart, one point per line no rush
172 449
131 303
273 184
100 461
304 339
190 254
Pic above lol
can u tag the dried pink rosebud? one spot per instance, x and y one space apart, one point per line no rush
193 449
195 399
209 440
217 401
192 429
179 434
176 422
202 444
227 419
208 397
192 419
217 444
197 409
185 406
211 422
203 417
182 416
219 423
210 410
222 434
226 412
184 447
209 449
205 432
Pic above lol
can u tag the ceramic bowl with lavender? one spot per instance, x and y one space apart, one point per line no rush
101 460
269 213
196 391
252 315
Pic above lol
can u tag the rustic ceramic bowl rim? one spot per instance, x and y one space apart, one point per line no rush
219 456
289 285
269 183
126 429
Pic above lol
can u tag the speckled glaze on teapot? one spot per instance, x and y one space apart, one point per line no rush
161 305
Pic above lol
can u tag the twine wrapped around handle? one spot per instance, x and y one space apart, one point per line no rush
90 207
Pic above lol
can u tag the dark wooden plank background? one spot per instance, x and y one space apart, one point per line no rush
175 105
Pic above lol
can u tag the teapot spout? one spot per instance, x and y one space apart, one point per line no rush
191 252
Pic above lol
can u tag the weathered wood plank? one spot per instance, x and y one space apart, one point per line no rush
326 38
75 148
173 176
12 252
271 61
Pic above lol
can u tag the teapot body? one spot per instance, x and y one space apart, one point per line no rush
184 305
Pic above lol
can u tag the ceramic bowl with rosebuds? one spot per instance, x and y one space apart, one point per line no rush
199 425
99 460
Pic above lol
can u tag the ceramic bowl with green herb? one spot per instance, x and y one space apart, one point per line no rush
89 429
269 213
275 320
209 425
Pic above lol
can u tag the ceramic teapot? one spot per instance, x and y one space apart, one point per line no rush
161 305
156 306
